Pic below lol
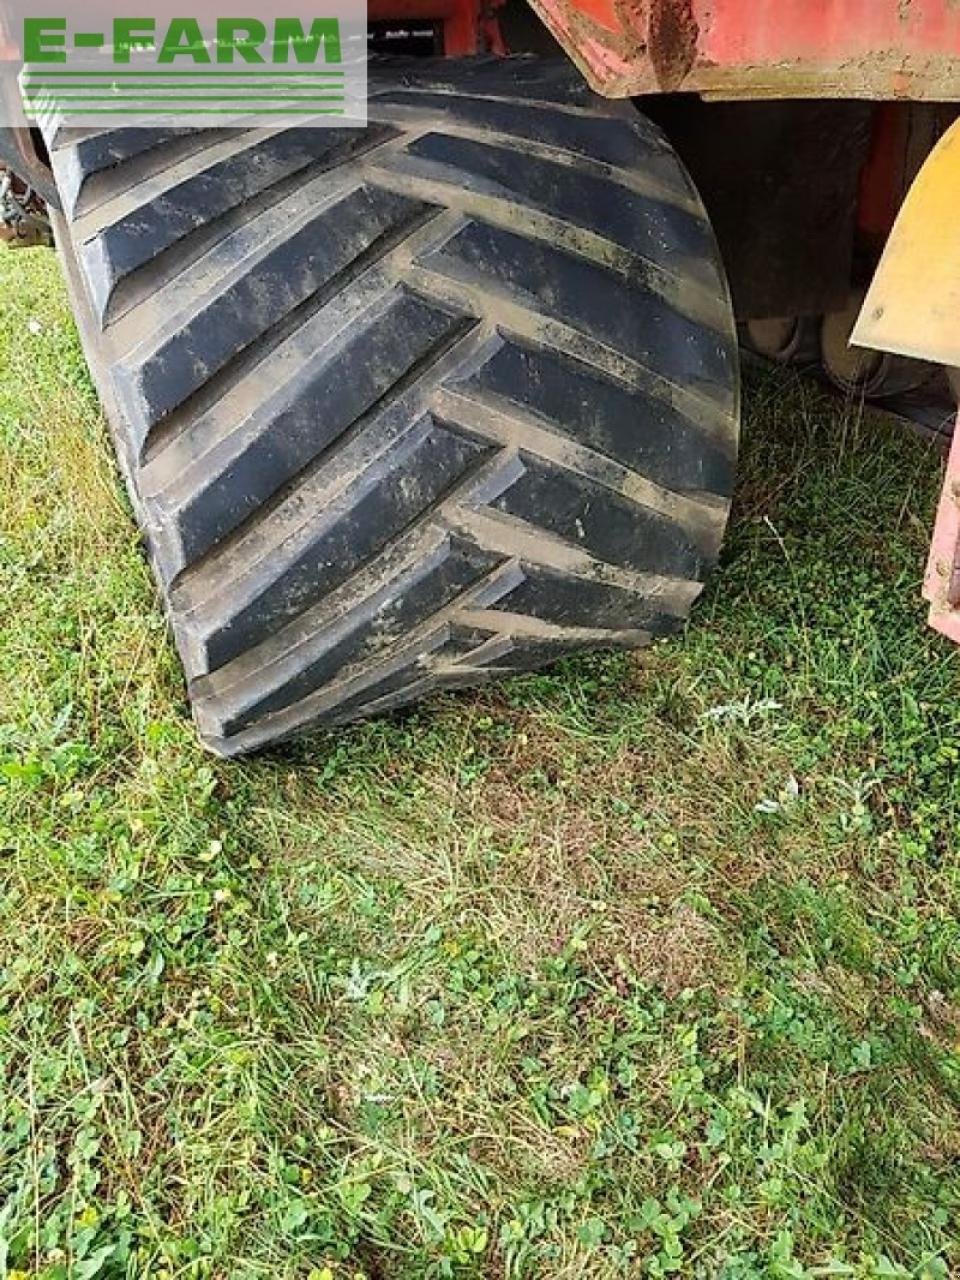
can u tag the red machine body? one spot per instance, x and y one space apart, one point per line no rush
763 48
880 49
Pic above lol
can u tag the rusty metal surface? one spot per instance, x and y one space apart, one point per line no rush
23 214
941 584
18 154
879 49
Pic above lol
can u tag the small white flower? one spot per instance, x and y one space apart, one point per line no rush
744 712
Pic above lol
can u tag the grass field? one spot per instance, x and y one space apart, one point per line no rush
648 965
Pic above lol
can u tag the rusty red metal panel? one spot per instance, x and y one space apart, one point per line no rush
764 48
941 585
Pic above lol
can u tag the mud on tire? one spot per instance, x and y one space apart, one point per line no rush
412 407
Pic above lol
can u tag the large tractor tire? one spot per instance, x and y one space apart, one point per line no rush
406 408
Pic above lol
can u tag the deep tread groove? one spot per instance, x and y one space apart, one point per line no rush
252 356
369 514
228 540
216 324
467 407
133 254
640 224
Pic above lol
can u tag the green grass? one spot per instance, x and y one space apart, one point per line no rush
648 965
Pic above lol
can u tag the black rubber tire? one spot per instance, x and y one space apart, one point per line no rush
407 408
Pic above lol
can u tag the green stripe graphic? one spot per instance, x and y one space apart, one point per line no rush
267 92
184 97
104 91
203 75
201 111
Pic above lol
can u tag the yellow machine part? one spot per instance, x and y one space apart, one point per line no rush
913 305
